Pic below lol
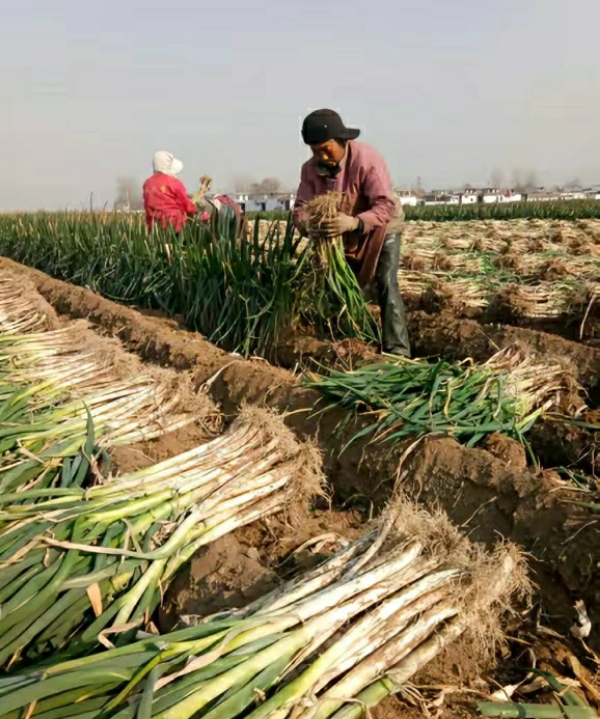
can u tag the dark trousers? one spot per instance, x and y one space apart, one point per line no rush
394 331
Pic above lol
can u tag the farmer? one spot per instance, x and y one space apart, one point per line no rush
218 206
371 221
165 200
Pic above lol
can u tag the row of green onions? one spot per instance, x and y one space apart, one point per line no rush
327 644
78 562
49 402
64 393
243 294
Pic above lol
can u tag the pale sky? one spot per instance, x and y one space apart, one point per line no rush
448 90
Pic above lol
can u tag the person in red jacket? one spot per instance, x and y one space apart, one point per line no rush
165 199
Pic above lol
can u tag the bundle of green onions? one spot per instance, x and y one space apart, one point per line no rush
537 386
35 437
49 402
466 401
328 644
334 297
67 554
21 308
57 398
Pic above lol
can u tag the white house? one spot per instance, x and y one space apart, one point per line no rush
440 198
594 192
567 194
283 202
437 198
541 195
510 196
489 196
407 197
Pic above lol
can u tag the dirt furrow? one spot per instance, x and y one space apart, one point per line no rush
489 491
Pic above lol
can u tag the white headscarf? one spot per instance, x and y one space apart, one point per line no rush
165 162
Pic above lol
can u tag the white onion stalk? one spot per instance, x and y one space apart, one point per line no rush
394 625
399 670
379 661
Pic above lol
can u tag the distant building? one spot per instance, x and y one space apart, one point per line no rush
511 196
441 197
573 192
543 196
540 194
275 202
593 193
469 197
488 196
407 197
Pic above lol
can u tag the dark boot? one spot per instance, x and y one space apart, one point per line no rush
394 332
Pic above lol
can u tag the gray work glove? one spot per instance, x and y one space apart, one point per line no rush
340 225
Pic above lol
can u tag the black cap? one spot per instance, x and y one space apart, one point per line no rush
323 125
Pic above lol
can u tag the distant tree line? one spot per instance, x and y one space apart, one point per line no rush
248 186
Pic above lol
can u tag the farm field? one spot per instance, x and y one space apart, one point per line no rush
505 411
530 273
541 274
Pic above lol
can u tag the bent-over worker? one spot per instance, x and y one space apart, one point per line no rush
165 199
217 205
371 220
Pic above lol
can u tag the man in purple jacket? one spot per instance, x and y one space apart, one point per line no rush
370 218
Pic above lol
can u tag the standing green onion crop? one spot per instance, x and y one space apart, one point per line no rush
242 294
467 401
318 646
75 563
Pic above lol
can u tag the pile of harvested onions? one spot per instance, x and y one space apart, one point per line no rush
22 309
130 405
328 644
65 393
76 563
408 398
